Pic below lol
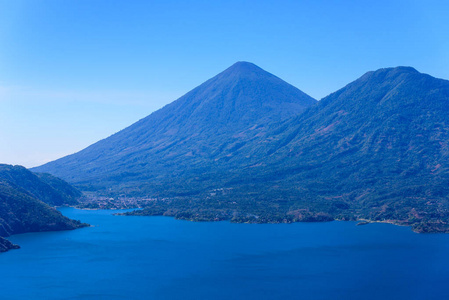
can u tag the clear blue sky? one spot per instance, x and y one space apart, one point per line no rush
74 72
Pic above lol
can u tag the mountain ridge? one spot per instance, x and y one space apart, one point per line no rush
27 200
374 150
379 142
217 114
45 187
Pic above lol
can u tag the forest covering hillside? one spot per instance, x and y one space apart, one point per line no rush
202 127
45 187
21 208
376 150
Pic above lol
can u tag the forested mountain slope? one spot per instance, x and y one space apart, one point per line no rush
21 209
249 147
377 149
208 123
45 187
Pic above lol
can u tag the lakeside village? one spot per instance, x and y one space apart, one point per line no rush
92 201
120 202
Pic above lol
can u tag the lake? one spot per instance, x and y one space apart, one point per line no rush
123 257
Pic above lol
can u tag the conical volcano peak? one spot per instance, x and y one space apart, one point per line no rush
217 116
244 93
243 66
245 69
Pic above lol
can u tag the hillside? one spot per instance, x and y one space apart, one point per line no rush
21 211
375 150
210 122
44 187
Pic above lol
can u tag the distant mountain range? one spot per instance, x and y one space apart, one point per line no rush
25 200
249 147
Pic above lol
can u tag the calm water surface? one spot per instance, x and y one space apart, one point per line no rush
163 258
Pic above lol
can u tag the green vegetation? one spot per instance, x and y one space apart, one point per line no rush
204 126
236 148
21 211
375 150
45 187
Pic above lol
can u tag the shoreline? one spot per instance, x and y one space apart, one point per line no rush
431 228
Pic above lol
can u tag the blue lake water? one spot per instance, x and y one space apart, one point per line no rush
163 258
